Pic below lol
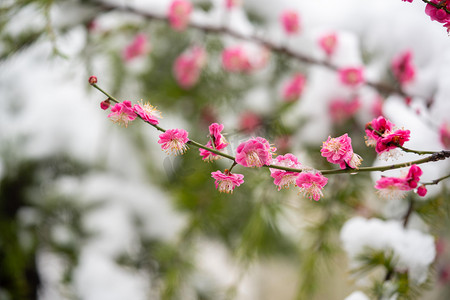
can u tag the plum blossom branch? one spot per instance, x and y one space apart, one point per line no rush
282 49
435 156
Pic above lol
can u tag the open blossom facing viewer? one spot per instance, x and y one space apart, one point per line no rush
122 113
256 152
339 151
294 88
311 184
173 141
328 43
147 112
215 132
226 182
283 179
351 76
290 21
395 187
139 46
179 14
188 65
403 68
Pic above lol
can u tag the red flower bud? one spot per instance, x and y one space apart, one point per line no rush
421 191
105 104
92 80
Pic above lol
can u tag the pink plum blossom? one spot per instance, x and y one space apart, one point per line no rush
311 184
438 14
226 182
381 134
403 68
394 187
188 65
342 109
235 59
122 113
290 21
294 88
139 46
351 76
328 43
147 112
256 152
179 14
339 151
392 140
218 140
376 128
173 141
215 131
444 134
413 176
410 1
283 179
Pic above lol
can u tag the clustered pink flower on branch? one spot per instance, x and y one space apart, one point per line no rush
286 170
381 134
395 187
257 152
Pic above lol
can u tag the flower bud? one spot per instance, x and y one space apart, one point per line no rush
105 104
92 80
421 191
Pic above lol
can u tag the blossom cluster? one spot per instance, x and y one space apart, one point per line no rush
395 187
124 112
286 170
381 134
257 152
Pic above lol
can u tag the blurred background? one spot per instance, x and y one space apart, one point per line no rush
93 210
